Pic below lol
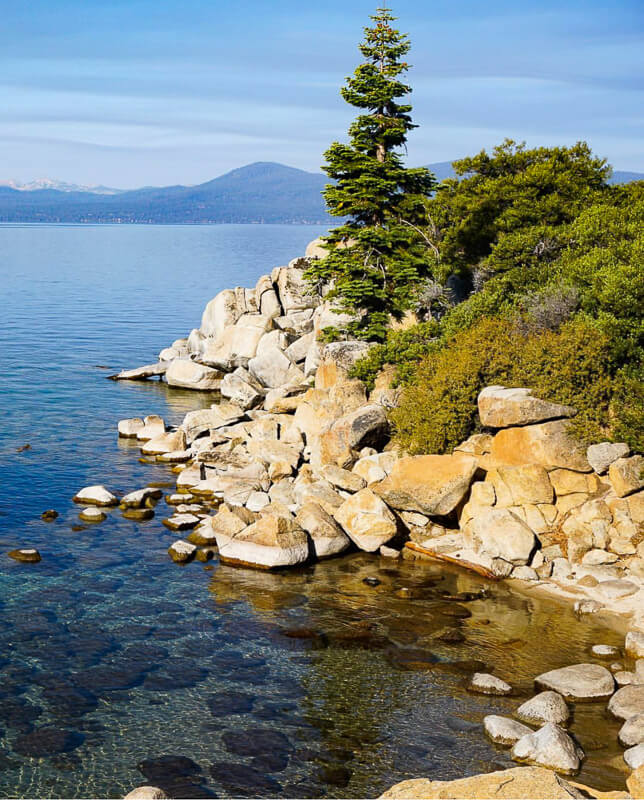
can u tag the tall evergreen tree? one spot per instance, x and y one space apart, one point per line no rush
379 257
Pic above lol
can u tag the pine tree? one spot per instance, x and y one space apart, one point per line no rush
379 257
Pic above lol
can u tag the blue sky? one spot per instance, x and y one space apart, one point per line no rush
138 92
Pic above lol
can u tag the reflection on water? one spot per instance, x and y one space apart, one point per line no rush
119 667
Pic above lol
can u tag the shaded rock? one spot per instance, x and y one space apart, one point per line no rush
632 731
505 408
182 552
428 484
128 428
26 555
50 515
627 475
342 478
257 501
578 682
549 747
147 497
183 373
272 369
366 520
327 536
367 426
483 683
627 702
241 389
549 444
545 707
388 552
499 533
95 496
235 346
272 541
503 730
138 514
519 783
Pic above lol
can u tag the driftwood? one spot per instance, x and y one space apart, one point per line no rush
478 568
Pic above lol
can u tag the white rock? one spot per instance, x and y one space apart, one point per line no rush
601 456
128 428
142 373
272 368
544 707
525 574
366 520
615 589
634 644
95 496
549 747
182 551
165 443
605 651
627 702
146 793
503 730
142 497
257 501
298 349
185 374
272 541
294 291
196 423
343 478
241 389
92 514
153 426
326 535
632 731
181 522
483 683
221 312
388 552
634 756
501 534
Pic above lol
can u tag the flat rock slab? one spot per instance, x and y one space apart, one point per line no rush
579 682
181 522
142 373
503 730
627 702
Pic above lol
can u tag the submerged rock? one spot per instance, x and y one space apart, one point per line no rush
549 747
92 514
181 552
96 496
483 683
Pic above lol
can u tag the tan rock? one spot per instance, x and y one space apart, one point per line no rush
549 444
165 443
367 520
431 484
635 783
627 475
504 408
374 468
186 374
327 536
367 426
636 507
196 423
499 533
153 426
477 445
515 486
566 481
343 478
536 783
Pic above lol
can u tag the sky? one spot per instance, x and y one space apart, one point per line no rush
128 93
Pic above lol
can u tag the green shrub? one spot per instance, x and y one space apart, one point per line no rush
575 365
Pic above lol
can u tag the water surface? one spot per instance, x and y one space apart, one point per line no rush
120 668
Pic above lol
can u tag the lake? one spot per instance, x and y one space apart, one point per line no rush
121 668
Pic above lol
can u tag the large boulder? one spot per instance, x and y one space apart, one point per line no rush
627 475
273 369
367 520
367 426
295 292
240 388
222 311
266 298
273 541
627 701
517 486
549 444
198 422
327 536
499 533
549 747
578 682
506 408
519 783
185 374
632 731
432 484
234 346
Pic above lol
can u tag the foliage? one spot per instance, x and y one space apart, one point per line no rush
575 365
378 257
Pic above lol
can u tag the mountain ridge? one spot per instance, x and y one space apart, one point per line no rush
260 192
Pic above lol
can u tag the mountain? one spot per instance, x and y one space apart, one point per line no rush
260 192
620 176
59 186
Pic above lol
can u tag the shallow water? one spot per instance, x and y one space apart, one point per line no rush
120 668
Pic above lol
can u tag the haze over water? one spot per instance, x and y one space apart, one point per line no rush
120 667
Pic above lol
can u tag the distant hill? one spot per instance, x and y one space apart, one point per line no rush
59 186
261 192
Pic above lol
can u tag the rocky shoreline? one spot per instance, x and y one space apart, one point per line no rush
295 463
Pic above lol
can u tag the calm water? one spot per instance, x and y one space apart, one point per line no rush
119 667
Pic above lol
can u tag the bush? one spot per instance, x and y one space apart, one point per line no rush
575 365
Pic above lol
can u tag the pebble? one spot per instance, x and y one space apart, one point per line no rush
146 793
605 651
